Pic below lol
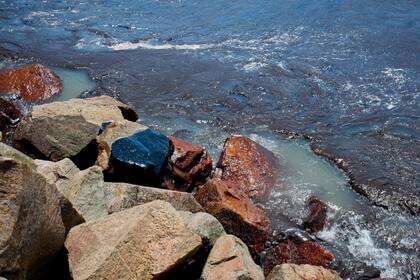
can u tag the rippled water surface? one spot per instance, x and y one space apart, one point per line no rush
344 73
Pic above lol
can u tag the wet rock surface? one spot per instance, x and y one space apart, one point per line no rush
317 215
236 213
140 158
189 166
31 229
299 272
11 111
248 165
129 244
230 260
32 82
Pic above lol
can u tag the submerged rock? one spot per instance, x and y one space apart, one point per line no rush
317 215
236 213
140 158
298 252
299 272
144 242
248 165
67 129
32 82
113 131
190 165
31 229
230 260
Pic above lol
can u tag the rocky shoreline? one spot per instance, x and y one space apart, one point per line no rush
90 193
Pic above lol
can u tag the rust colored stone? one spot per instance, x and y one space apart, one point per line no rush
190 165
317 215
235 212
33 82
248 165
305 252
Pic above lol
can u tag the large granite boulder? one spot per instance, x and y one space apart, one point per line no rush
144 242
31 229
67 129
32 82
248 165
299 272
140 158
236 213
111 132
121 196
189 166
230 260
317 215
297 252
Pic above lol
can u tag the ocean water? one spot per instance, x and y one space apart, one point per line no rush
344 75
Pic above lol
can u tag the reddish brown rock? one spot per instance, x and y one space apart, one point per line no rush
235 212
303 252
33 82
317 215
190 165
10 112
248 165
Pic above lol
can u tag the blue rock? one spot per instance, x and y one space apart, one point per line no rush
140 158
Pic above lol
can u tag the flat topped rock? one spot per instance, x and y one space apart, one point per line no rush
140 158
32 82
299 272
143 242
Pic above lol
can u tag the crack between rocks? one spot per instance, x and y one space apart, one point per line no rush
223 260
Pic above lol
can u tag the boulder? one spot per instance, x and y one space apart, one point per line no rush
317 215
33 82
230 260
139 158
235 212
144 242
298 272
248 165
67 129
113 131
189 166
31 229
10 112
205 225
120 196
60 174
298 252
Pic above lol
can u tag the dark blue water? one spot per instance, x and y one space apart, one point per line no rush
344 73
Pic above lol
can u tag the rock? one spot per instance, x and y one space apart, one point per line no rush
302 252
139 158
120 196
33 82
31 229
317 215
229 260
235 212
205 225
10 112
190 165
60 174
112 132
67 129
143 242
299 272
248 165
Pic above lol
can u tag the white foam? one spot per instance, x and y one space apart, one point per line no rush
146 45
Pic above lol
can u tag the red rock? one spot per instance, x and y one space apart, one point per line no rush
235 212
190 165
33 82
10 112
304 252
317 215
248 165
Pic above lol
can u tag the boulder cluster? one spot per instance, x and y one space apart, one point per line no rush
87 192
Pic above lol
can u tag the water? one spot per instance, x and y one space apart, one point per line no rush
75 82
344 73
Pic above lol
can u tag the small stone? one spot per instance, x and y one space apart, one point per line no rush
299 272
317 215
230 260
